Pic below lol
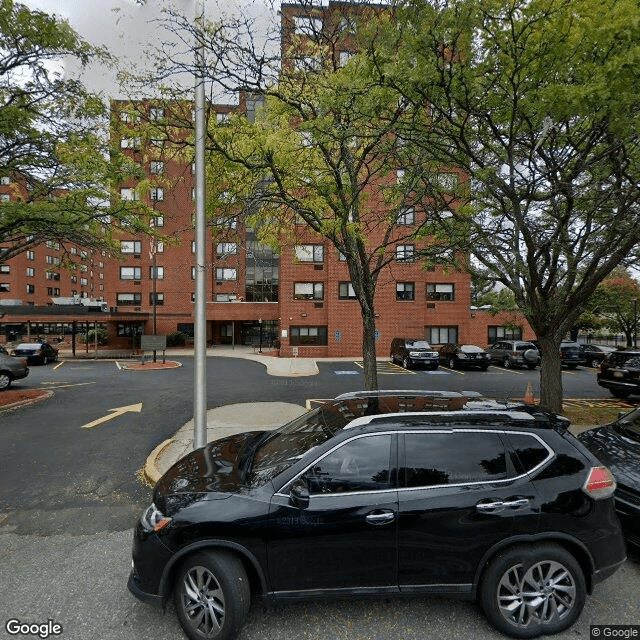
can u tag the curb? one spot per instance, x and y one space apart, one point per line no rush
46 394
150 470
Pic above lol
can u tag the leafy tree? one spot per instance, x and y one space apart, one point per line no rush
536 101
614 305
53 140
321 159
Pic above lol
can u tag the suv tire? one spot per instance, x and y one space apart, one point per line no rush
406 363
544 582
214 584
506 363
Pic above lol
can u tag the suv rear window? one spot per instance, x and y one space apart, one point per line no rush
619 358
525 347
527 452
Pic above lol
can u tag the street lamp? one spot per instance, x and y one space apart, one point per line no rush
260 325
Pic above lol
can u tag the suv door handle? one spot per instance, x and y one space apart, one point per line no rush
514 503
490 506
380 517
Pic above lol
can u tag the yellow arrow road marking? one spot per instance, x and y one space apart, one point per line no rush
118 411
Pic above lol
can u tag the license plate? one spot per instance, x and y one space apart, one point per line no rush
618 374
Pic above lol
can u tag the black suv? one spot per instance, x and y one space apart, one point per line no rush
620 373
413 351
396 493
571 354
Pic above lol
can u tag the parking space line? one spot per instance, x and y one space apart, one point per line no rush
57 366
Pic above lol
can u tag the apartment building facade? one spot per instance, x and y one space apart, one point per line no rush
300 301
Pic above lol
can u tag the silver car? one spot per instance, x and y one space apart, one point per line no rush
11 369
514 353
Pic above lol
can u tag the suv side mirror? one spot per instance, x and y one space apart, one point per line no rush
299 494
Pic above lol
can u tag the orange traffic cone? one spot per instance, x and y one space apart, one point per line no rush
528 395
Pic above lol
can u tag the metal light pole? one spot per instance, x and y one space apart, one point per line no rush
153 250
260 325
200 319
635 323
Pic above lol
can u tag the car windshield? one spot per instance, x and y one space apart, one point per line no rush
470 348
282 448
631 423
418 344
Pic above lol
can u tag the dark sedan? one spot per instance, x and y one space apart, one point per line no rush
464 356
617 445
36 352
594 354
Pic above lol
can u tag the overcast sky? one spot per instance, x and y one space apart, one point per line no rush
125 27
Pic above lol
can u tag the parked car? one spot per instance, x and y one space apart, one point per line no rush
618 446
594 354
411 493
466 356
11 369
514 353
36 352
620 373
571 354
413 351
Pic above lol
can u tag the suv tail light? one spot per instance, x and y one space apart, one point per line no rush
600 483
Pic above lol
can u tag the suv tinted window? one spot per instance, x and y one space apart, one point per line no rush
525 346
528 452
452 458
359 465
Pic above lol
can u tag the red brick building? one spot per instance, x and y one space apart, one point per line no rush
302 300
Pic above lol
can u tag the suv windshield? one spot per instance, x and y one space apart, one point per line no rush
631 422
283 447
418 344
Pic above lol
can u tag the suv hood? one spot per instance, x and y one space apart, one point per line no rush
217 470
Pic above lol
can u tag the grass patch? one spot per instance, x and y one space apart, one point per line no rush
588 414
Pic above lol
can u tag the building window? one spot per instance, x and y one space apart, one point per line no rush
400 174
31 255
130 273
504 333
441 291
406 217
52 275
130 246
5 268
348 24
31 272
83 282
307 26
157 221
129 194
130 143
309 252
405 253
222 118
308 291
345 56
447 181
5 286
156 113
159 273
308 336
442 335
159 299
31 288
405 291
224 248
156 167
346 292
129 299
226 274
53 291
157 194
5 197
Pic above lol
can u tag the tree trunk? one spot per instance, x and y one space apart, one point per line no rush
369 351
550 374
